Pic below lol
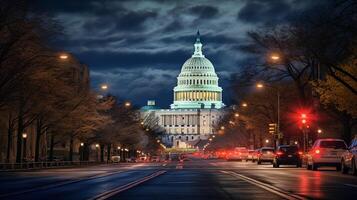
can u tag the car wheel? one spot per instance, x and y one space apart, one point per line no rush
344 168
353 166
314 166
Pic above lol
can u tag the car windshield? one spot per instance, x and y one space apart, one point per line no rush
333 144
292 149
267 150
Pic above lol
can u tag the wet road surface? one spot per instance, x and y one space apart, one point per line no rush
193 179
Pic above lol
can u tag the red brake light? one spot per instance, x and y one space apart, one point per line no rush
300 152
279 153
317 151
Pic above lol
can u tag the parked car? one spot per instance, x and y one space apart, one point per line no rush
155 159
115 159
265 154
287 155
349 158
326 152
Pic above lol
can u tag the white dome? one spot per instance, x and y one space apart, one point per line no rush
197 84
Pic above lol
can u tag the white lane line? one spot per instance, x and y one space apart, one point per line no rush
351 185
125 187
270 188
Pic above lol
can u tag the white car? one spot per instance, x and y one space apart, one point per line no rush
326 152
266 154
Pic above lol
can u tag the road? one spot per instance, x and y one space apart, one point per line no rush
193 179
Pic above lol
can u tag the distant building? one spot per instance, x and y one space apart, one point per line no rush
197 103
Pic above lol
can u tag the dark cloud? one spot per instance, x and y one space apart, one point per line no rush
204 11
139 46
258 11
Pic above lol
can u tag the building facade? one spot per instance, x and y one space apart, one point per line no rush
197 103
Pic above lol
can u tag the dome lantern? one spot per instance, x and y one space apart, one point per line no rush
198 46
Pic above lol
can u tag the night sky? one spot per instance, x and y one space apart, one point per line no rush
138 47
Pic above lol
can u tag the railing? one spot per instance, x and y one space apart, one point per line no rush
44 164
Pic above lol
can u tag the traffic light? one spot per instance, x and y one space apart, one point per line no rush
273 128
303 118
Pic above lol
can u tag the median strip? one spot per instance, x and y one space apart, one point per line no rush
125 187
269 188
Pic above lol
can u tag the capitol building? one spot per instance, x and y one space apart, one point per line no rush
197 103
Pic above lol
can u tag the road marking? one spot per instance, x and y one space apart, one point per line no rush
125 187
60 184
270 188
351 185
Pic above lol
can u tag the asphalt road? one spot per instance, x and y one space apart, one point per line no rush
193 179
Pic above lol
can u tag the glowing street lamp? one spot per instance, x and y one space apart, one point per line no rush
266 141
275 57
319 131
244 104
104 87
96 145
63 56
82 144
127 104
236 115
222 127
259 85
24 135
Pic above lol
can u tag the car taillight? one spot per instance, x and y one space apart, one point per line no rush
300 153
317 151
279 153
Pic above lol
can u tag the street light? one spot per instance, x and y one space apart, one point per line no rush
260 85
81 151
127 104
24 136
275 57
97 145
236 115
244 104
319 131
222 127
63 56
266 141
104 87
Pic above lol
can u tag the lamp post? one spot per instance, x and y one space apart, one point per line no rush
260 85
97 153
24 137
81 151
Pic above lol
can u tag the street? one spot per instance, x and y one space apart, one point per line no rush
192 179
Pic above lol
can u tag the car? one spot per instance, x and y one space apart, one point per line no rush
255 155
115 159
142 159
265 154
233 156
242 152
155 159
349 158
287 155
326 152
250 155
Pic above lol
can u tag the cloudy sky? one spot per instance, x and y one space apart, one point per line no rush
138 47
